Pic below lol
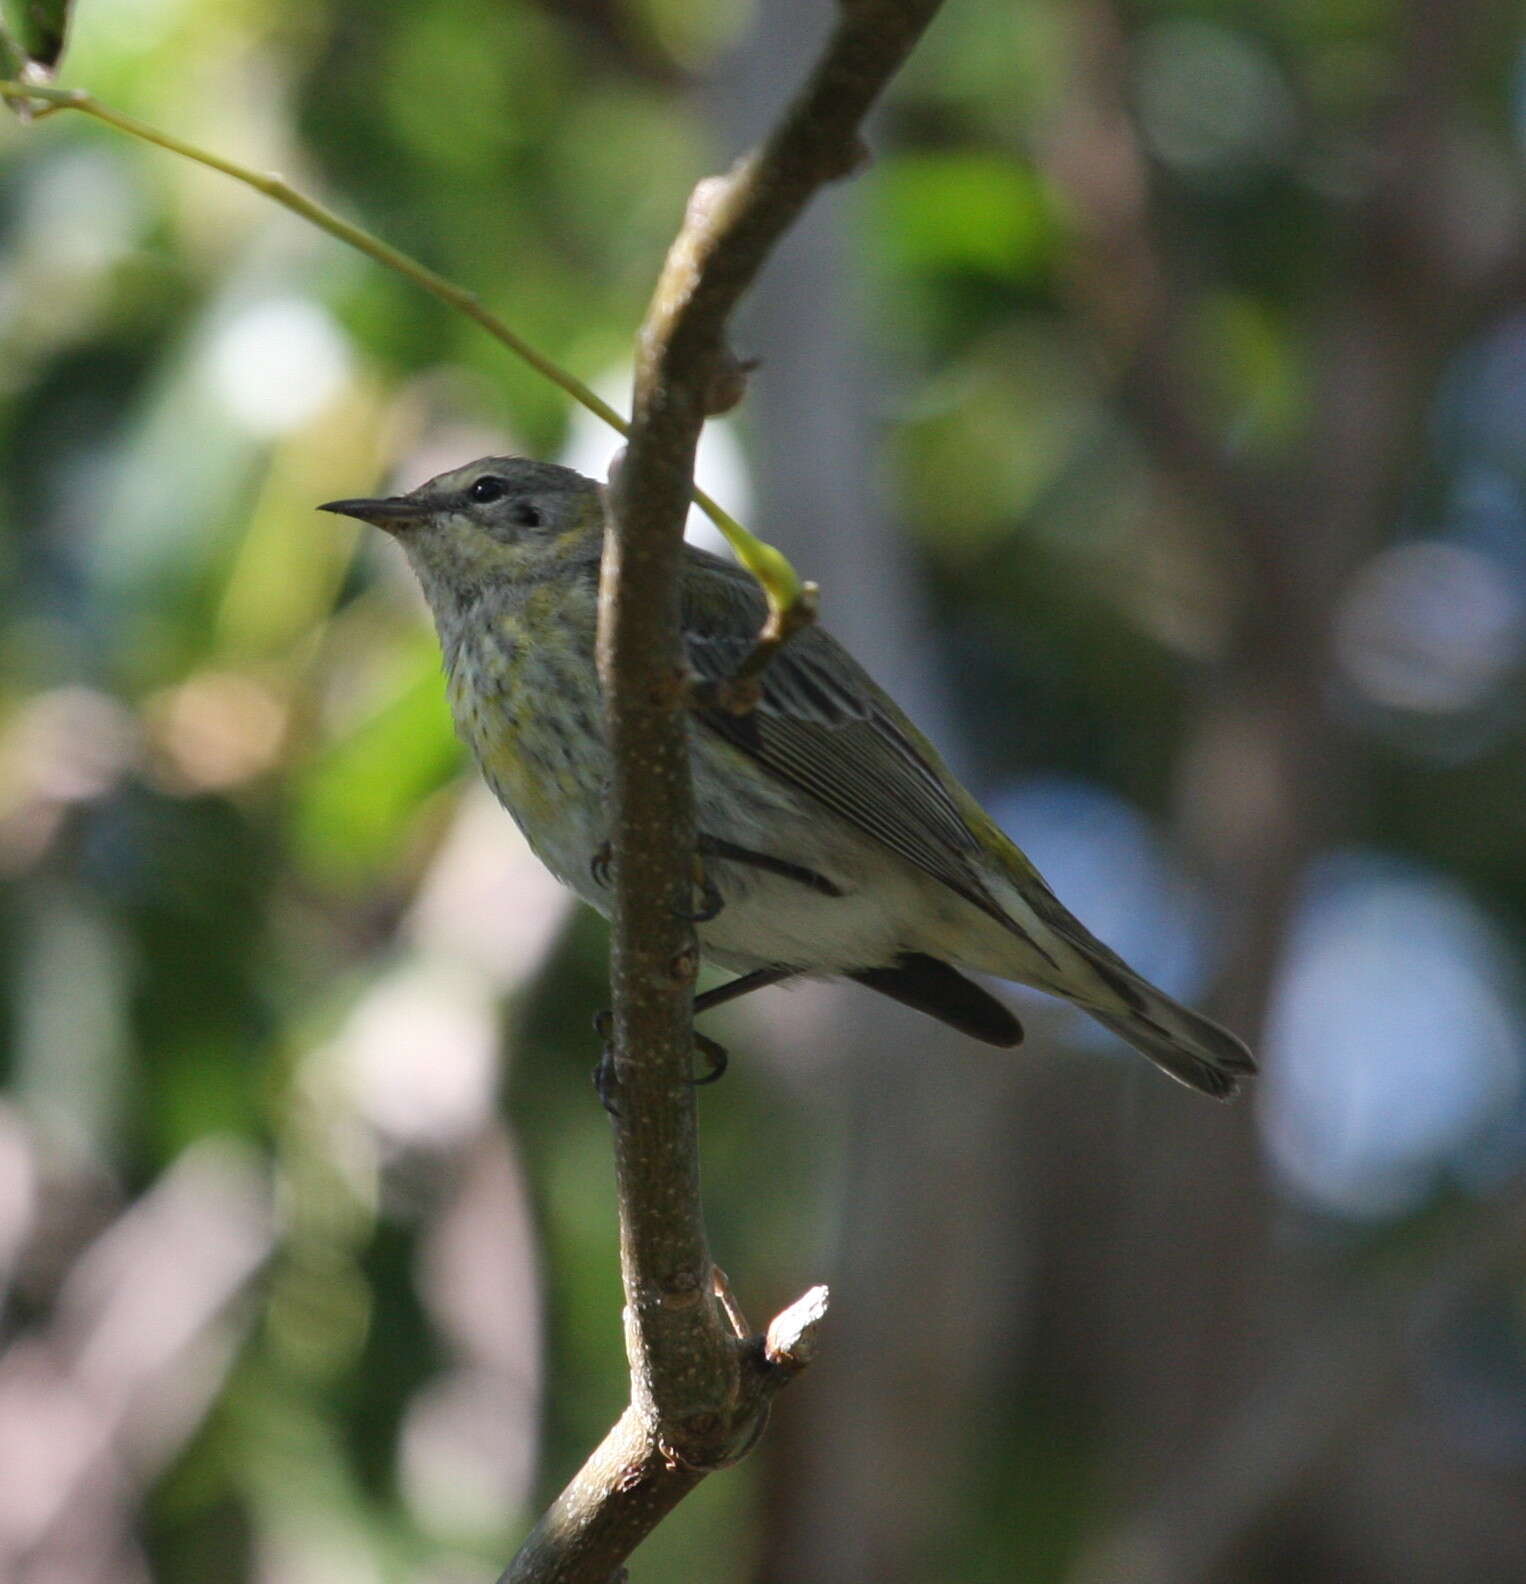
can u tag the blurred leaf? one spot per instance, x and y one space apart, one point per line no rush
692 35
362 795
1252 360
963 209
993 435
40 27
12 59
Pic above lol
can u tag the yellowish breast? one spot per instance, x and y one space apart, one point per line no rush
524 694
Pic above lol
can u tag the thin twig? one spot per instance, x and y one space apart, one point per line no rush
739 693
778 579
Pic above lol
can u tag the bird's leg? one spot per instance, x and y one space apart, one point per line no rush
716 847
710 899
711 902
605 1079
743 984
712 1050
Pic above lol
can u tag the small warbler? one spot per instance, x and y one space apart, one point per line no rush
832 838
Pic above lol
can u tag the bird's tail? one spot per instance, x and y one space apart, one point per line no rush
1191 1048
1059 954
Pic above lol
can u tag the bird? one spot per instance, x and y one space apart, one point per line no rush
833 840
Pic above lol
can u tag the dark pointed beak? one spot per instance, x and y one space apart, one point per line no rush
392 513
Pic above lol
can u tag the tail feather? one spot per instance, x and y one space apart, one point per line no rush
1181 1042
1076 965
941 991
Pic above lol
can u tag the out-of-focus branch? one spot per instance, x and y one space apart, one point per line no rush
1432 256
1132 299
699 1387
126 1366
1268 768
1331 1382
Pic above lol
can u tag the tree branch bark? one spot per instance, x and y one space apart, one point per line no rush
700 1388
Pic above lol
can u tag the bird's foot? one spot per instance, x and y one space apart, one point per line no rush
598 865
717 1060
606 1078
710 899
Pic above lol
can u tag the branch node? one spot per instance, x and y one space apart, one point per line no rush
672 1458
742 691
681 1290
728 382
793 1335
705 199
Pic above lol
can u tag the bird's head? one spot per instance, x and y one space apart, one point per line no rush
499 520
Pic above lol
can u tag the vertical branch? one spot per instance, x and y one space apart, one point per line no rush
699 1388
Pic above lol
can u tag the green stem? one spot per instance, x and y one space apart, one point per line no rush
778 578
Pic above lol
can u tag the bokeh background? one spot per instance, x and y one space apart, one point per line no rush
1153 412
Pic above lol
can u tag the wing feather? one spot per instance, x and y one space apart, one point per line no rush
825 728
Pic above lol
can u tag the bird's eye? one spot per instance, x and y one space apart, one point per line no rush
488 488
526 515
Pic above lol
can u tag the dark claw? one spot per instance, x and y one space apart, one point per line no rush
606 1081
715 1056
710 904
598 865
606 1078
